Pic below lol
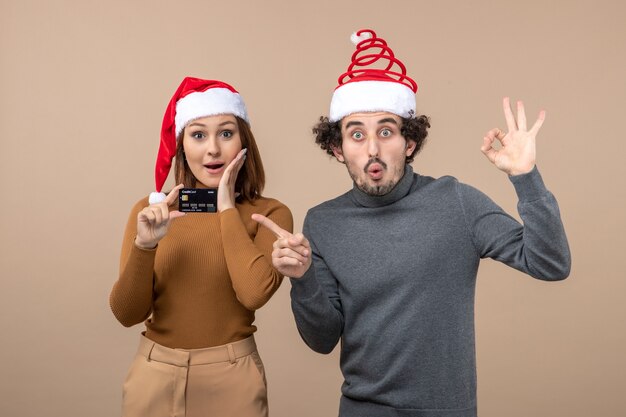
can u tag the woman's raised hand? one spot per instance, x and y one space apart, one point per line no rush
226 188
153 221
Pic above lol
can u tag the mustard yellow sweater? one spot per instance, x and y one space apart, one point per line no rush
201 285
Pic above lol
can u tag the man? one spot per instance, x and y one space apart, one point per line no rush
390 266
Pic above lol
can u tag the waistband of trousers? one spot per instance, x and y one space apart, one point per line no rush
229 352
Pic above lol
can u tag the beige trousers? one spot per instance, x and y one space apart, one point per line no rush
220 381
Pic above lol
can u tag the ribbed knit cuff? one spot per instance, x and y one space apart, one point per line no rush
136 251
530 186
140 259
229 218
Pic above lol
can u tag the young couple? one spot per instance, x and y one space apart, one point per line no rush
389 267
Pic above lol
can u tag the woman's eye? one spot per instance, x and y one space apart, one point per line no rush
197 135
357 135
385 133
227 134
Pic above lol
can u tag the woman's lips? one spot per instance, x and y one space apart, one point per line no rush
215 168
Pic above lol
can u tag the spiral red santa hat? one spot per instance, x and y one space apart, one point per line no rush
375 81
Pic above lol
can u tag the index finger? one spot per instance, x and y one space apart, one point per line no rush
508 115
172 197
274 228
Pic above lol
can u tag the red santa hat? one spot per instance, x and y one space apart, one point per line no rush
382 88
193 99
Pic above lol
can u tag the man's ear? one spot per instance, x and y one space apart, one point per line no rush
410 147
338 153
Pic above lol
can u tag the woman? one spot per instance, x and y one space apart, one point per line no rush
197 278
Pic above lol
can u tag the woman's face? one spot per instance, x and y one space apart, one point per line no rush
210 144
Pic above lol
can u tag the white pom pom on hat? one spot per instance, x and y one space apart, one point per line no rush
155 197
355 38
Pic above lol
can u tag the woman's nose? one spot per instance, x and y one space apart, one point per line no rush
213 147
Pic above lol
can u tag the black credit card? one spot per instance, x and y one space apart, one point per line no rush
197 200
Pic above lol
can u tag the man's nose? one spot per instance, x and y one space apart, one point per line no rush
372 147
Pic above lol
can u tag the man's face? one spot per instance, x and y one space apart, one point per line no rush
373 150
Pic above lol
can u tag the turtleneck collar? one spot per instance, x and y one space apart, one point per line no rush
401 189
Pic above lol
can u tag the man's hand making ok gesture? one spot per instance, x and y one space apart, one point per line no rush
517 154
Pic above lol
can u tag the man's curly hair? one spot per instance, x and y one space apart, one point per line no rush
328 134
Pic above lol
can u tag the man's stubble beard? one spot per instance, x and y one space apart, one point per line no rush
378 189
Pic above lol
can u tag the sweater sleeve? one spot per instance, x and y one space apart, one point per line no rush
538 247
131 296
249 260
316 303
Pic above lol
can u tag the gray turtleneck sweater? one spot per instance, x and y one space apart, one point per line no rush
394 278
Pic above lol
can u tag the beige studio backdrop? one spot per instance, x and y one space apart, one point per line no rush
83 87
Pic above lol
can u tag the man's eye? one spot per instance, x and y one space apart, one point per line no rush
385 133
357 135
